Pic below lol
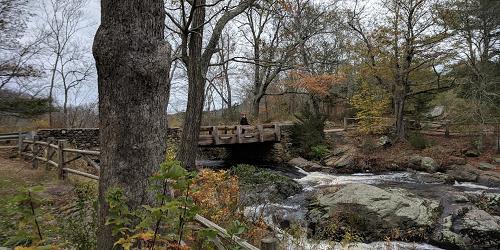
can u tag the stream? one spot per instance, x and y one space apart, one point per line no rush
279 215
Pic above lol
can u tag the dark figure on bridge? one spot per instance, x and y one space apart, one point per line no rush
244 120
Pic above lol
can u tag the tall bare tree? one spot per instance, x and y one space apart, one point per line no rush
62 21
16 55
190 22
133 63
73 70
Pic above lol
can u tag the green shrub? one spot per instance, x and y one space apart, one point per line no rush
319 151
80 224
308 131
418 141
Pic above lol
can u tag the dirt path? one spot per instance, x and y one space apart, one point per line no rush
16 176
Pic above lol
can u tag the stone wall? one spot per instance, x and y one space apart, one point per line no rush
82 138
88 138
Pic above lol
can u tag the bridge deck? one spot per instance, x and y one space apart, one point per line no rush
240 134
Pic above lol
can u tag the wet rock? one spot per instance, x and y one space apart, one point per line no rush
463 173
489 202
305 164
489 178
465 222
486 166
433 178
376 211
444 236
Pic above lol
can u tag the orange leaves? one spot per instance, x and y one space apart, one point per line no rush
315 84
217 194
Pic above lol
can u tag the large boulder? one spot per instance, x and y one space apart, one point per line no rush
371 212
463 173
489 178
422 163
342 158
346 161
468 228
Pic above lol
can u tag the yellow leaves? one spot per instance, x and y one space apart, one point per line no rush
129 241
315 84
371 103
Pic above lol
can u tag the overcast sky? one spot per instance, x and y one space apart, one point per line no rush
88 92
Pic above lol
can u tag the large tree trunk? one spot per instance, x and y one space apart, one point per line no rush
196 72
133 62
399 112
256 107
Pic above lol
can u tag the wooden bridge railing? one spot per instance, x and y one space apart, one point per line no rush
240 134
59 156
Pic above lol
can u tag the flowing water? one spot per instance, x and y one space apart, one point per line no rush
294 208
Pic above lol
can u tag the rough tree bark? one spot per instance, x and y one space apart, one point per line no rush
196 72
133 63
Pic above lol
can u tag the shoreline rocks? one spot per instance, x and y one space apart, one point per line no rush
458 220
371 212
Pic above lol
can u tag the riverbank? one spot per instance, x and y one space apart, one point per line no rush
425 210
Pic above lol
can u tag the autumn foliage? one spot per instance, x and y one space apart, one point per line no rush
318 84
217 194
371 103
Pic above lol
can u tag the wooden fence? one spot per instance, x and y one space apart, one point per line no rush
490 129
57 154
446 128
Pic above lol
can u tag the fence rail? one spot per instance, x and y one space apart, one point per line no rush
435 127
59 156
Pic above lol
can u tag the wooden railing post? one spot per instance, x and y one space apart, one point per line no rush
48 151
215 134
239 134
60 159
35 148
260 130
345 123
277 132
269 243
